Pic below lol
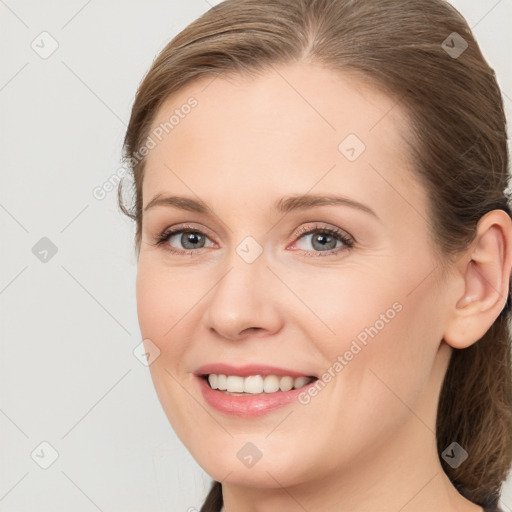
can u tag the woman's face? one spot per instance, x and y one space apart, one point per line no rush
256 279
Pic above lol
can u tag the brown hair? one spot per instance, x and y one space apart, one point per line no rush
458 142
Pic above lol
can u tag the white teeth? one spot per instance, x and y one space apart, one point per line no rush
253 384
235 384
271 384
300 381
222 382
286 383
213 380
256 384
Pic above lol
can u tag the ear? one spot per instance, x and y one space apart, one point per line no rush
485 271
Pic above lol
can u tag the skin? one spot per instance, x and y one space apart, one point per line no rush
367 441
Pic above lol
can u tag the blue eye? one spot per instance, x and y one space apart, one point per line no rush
323 237
188 236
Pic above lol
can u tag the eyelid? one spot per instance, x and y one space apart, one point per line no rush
188 227
322 226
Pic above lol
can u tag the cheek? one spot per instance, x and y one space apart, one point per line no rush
161 300
162 314
394 368
161 308
388 342
355 304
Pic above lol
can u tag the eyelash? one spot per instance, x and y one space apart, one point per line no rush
164 237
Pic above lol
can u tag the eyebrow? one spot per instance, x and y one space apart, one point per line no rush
283 205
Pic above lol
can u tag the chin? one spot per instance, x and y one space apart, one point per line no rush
273 471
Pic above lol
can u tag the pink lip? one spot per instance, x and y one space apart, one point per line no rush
246 370
250 405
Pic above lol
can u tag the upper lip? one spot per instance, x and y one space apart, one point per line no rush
247 370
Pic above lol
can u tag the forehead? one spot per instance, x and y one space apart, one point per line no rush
292 128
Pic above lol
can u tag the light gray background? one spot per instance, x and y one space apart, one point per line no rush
69 325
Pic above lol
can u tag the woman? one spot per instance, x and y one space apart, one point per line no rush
324 255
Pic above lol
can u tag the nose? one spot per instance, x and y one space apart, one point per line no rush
244 302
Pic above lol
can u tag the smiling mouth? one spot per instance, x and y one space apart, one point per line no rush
255 384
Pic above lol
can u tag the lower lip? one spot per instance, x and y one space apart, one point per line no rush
248 405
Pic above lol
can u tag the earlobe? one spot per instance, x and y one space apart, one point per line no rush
485 270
